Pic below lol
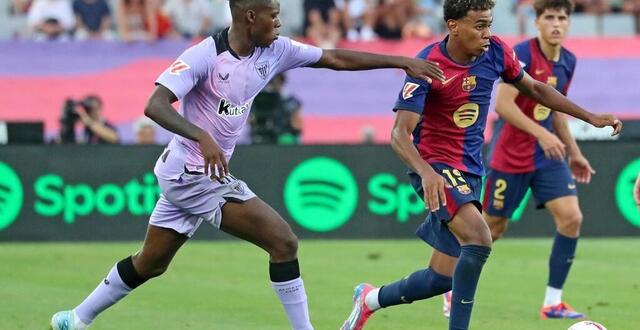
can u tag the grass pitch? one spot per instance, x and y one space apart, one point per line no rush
225 285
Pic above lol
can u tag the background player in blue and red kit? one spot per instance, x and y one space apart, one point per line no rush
525 152
438 133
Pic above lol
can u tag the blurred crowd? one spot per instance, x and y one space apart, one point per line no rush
523 9
324 22
127 20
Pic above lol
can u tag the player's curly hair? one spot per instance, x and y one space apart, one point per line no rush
541 5
456 9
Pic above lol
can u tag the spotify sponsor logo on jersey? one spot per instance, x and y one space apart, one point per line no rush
624 192
321 194
11 195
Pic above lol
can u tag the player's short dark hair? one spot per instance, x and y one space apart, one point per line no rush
456 9
541 5
245 3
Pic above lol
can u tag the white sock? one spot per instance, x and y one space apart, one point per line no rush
105 295
77 323
552 296
371 299
294 300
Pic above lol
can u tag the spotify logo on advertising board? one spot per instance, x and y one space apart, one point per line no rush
624 192
321 194
11 195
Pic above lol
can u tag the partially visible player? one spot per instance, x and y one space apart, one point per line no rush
216 82
526 153
439 133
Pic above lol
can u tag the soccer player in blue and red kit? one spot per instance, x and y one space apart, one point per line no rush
528 151
439 133
216 82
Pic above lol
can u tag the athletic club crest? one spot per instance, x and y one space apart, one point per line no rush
237 186
469 83
262 69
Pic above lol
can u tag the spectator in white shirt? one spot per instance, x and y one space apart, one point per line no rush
51 19
190 18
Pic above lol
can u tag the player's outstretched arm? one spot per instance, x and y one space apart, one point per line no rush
508 110
432 183
341 59
551 98
159 109
579 165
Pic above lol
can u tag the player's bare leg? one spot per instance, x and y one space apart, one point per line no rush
497 225
159 248
566 214
258 223
568 218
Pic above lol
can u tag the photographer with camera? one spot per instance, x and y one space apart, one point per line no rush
89 111
276 115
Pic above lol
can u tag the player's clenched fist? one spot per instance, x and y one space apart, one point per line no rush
607 120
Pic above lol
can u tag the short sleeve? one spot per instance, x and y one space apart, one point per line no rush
511 69
189 69
523 54
412 96
296 54
572 70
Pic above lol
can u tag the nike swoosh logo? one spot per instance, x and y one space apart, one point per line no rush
539 71
572 186
466 301
449 80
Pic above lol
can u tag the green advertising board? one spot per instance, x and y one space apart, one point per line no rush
108 192
11 195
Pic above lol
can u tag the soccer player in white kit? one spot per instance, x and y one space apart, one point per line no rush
216 82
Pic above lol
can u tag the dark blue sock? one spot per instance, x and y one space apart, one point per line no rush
562 253
465 282
422 284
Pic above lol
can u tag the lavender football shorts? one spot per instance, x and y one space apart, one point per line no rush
193 198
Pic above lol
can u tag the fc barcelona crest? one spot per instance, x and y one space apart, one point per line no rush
553 81
464 189
469 83
263 69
